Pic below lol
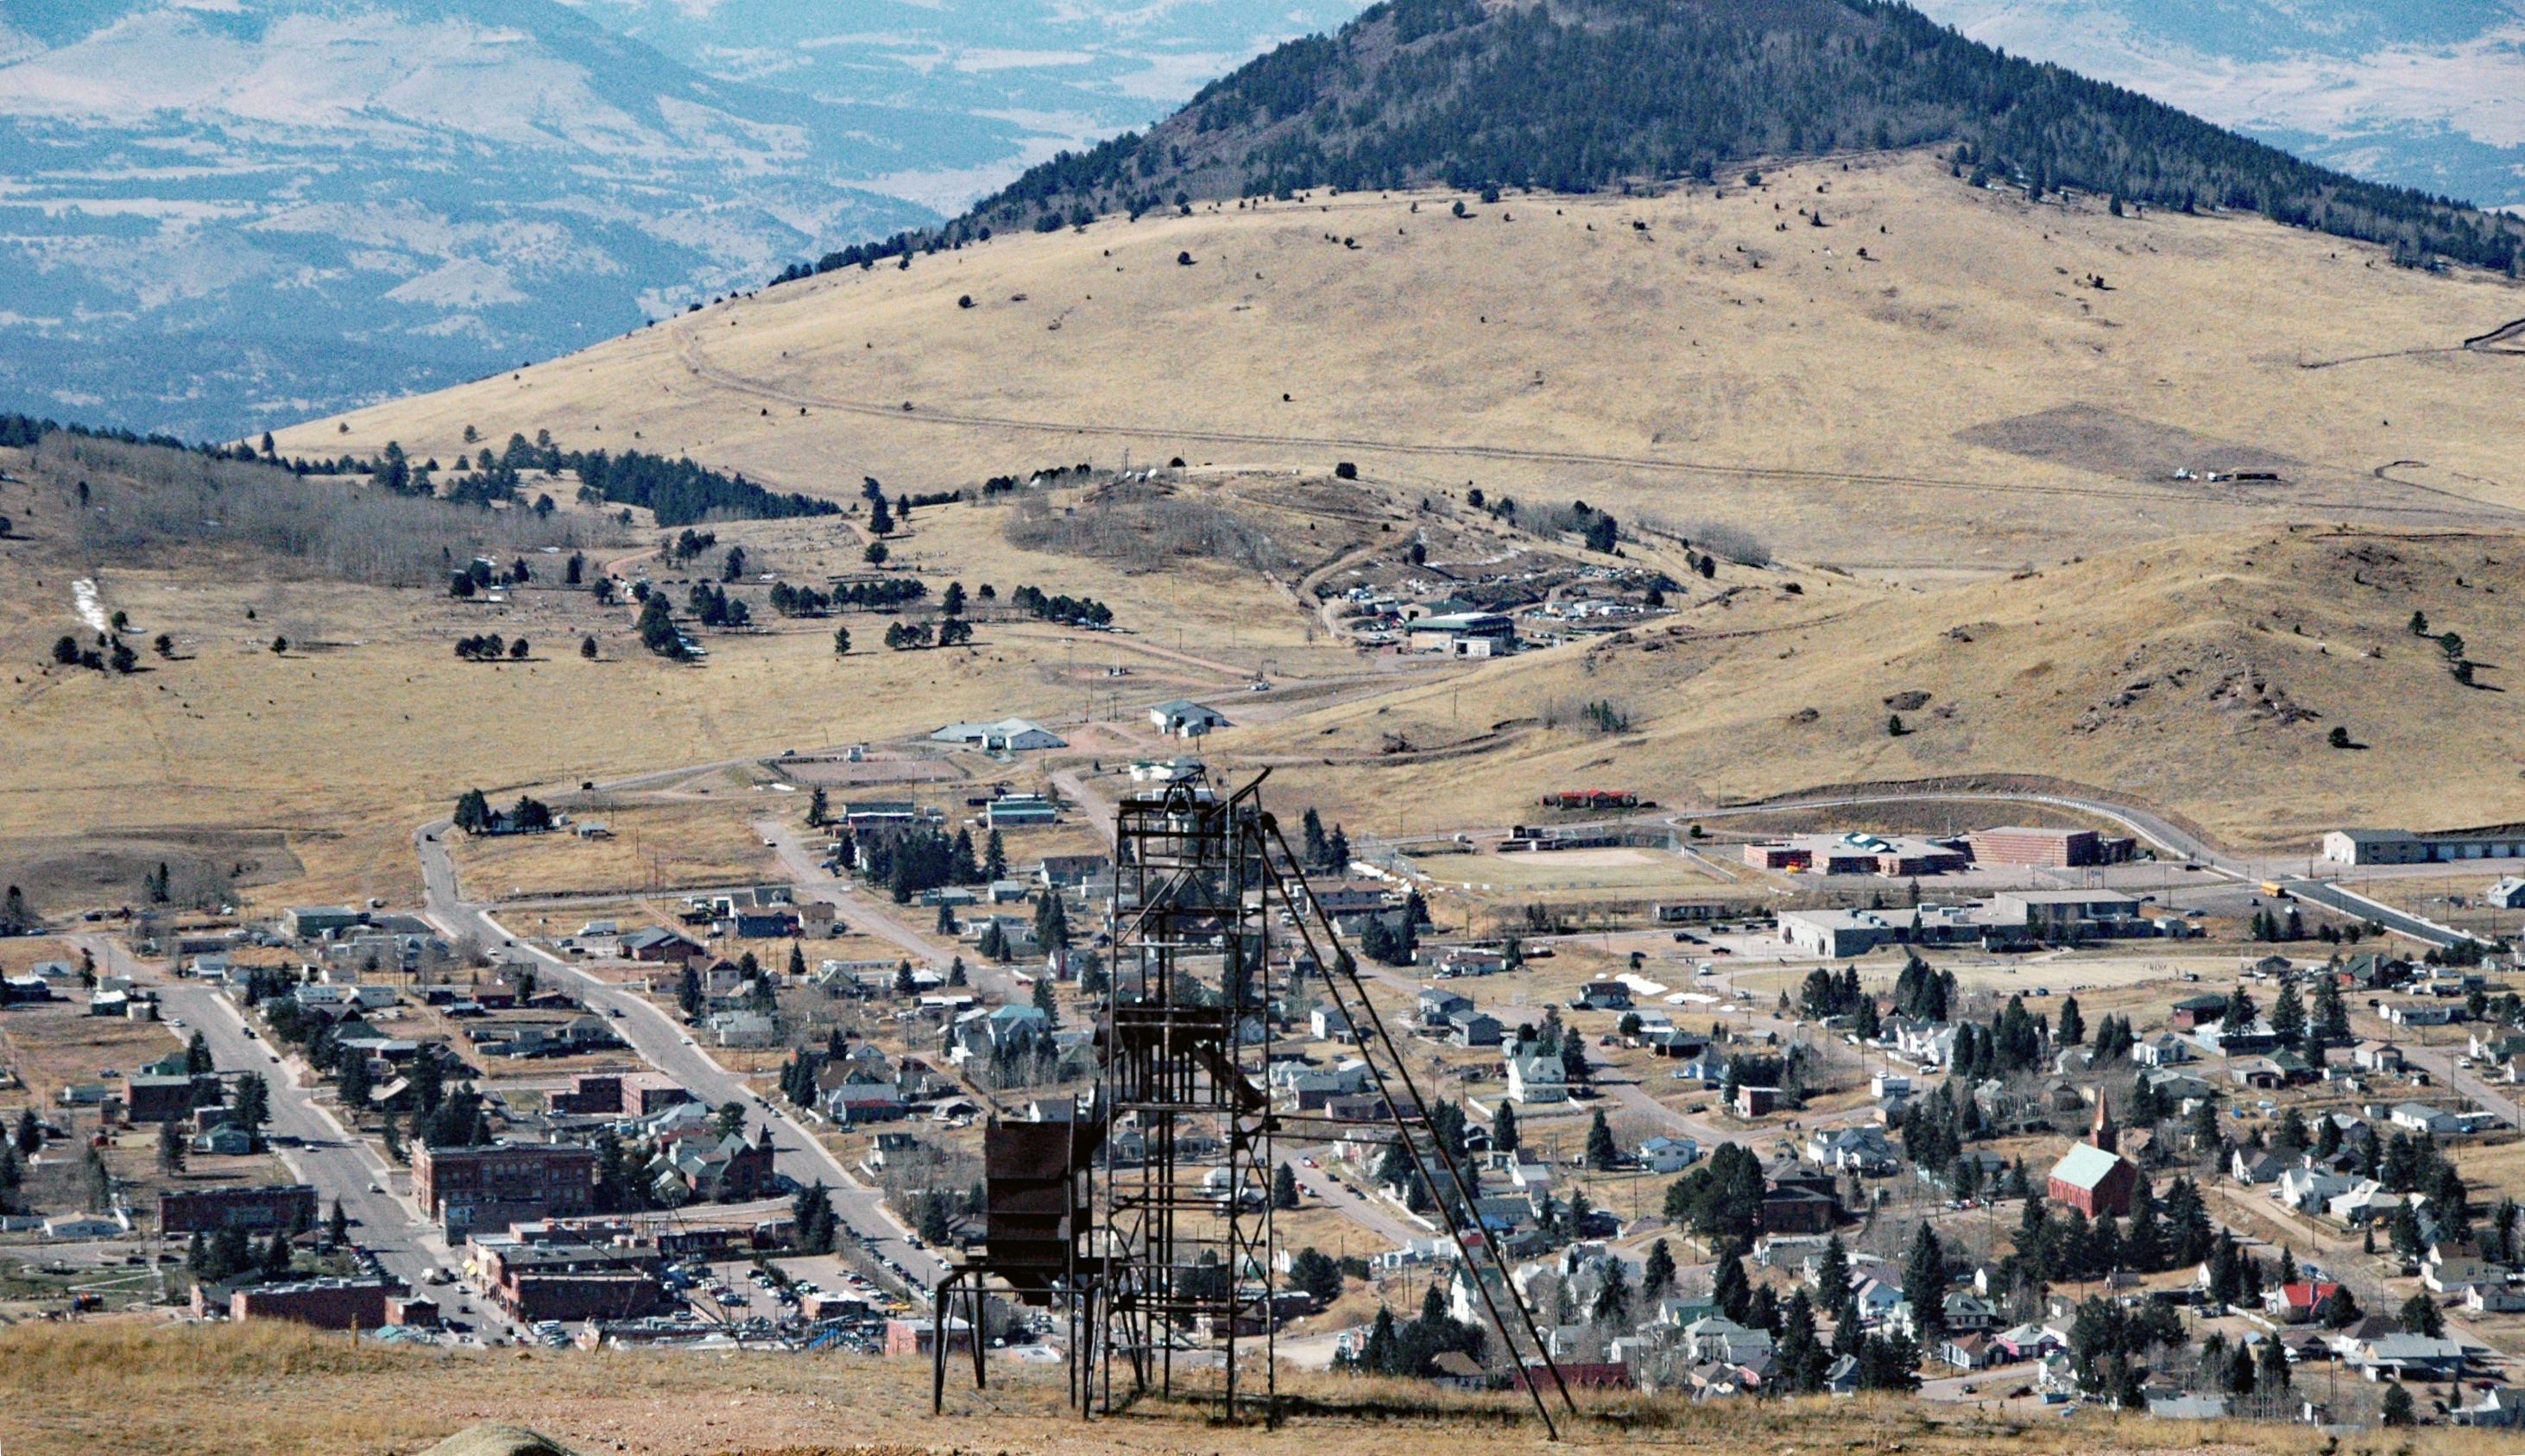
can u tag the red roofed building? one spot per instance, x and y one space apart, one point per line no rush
2093 1178
2298 1303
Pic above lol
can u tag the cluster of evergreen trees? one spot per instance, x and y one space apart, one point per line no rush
489 648
909 858
1327 853
1408 1348
713 607
1584 96
1923 992
1075 611
875 596
474 816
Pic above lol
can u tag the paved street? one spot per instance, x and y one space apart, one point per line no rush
305 1135
671 1049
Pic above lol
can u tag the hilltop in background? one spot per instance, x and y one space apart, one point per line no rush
389 196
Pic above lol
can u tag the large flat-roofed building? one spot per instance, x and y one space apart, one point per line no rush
1897 856
1842 933
327 1303
2058 849
2063 912
255 1210
2402 847
306 922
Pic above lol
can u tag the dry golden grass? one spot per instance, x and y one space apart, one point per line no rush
1570 330
655 848
2162 673
1635 354
112 1387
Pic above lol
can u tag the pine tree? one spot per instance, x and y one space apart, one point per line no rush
1728 1289
2074 1027
1925 1284
197 1057
2288 1017
1657 1275
995 858
1801 1360
170 1147
1284 1187
1602 1152
1503 1128
254 1101
1613 1309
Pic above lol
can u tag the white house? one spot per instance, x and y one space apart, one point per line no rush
1668 1155
2309 1190
1877 1301
2420 1117
1537 1080
2377 1056
2165 1049
1717 1340
2364 1204
1185 718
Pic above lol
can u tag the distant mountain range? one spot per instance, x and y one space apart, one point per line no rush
222 215
2424 93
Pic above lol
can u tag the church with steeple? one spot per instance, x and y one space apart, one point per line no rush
2094 1177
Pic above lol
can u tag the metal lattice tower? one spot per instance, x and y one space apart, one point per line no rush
1187 1045
1151 1218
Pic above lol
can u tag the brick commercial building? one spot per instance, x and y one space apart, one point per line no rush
255 1210
150 1099
463 1187
2060 848
907 1336
326 1304
571 1281
610 1095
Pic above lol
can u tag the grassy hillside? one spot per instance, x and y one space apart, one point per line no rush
1905 433
1580 95
119 1387
1994 383
2205 674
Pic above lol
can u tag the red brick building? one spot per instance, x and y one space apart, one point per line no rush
326 1304
463 1187
917 1336
2093 1178
610 1095
257 1210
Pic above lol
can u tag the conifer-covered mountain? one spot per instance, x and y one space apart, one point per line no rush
1581 95
2426 93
